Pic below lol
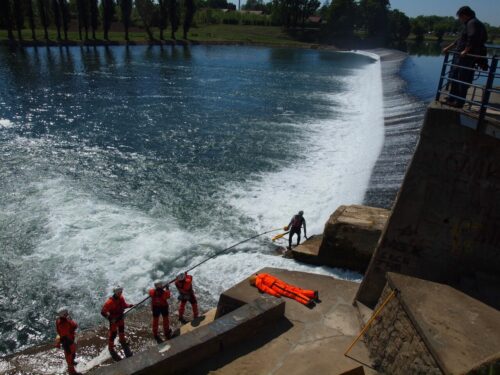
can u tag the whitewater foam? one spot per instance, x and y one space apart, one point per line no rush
6 123
339 155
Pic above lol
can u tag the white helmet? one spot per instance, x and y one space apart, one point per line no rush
62 312
117 289
159 284
181 276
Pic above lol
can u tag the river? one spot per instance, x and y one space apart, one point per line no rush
125 165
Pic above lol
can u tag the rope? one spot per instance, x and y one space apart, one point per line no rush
204 261
368 324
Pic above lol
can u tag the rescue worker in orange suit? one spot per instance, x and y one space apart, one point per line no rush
113 310
159 305
295 226
184 284
269 284
66 327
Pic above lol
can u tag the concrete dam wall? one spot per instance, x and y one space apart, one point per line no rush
445 225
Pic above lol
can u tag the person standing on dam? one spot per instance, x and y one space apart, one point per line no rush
295 227
113 310
66 328
184 284
471 42
159 306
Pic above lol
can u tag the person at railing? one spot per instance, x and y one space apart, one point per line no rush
471 42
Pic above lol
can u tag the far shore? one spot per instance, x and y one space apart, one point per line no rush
180 42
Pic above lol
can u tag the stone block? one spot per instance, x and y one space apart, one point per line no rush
351 235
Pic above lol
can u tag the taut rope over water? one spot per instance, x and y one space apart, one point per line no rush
206 260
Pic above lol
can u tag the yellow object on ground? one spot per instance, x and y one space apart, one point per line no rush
278 236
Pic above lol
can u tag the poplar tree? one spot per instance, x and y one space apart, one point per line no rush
57 17
108 13
31 18
146 10
66 17
7 17
94 17
126 10
44 17
188 17
174 16
83 17
375 15
343 17
19 18
163 20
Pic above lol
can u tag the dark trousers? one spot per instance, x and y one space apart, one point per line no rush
290 235
464 75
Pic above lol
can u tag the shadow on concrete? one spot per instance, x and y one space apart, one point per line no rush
229 354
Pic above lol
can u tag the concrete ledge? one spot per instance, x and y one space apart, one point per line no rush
184 352
308 251
307 341
460 332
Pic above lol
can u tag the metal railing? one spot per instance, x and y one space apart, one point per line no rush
482 98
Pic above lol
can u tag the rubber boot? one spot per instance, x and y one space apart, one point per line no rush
126 349
116 357
168 334
158 339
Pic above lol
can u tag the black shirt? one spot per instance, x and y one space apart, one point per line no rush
474 36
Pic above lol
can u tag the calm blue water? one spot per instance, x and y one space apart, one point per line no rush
422 74
125 165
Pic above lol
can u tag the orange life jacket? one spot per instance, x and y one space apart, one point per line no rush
115 306
185 286
159 297
66 328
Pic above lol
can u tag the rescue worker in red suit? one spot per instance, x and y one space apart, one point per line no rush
66 328
295 227
159 305
275 287
113 310
184 284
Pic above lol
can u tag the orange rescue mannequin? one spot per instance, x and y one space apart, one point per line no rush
272 285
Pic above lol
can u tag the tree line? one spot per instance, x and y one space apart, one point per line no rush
439 27
372 18
91 14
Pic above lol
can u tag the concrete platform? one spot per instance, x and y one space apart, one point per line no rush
181 354
312 341
460 332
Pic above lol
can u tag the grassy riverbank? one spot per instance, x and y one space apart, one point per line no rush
265 35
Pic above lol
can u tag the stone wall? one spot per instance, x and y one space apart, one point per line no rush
444 225
351 235
394 344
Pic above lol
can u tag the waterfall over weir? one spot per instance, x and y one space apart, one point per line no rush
403 116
